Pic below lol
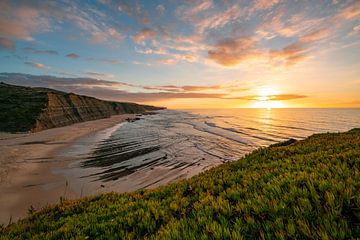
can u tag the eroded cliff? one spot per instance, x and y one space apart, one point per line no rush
34 109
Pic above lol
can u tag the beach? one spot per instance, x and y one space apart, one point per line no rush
115 155
30 163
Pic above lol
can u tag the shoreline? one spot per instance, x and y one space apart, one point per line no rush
31 163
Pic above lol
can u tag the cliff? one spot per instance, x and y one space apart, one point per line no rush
26 109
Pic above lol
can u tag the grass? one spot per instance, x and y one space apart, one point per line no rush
19 107
306 190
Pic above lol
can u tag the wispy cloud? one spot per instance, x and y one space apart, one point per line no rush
144 34
36 51
36 65
99 75
105 60
264 4
73 56
351 11
160 9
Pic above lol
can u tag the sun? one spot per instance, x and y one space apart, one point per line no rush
263 99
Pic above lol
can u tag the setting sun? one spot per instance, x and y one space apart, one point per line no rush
267 98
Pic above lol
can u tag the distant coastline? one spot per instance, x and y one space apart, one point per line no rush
33 109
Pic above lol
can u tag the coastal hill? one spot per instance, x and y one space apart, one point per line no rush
306 189
33 109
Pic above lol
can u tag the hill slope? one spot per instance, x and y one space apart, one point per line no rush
308 189
34 109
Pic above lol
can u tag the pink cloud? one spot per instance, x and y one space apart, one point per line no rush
22 21
265 4
144 34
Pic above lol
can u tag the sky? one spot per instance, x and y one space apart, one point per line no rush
187 53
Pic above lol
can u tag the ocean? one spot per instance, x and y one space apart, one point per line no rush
172 145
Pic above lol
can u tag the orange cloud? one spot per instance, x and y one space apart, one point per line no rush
144 34
187 88
6 43
167 61
316 35
232 52
265 4
278 97
350 11
299 50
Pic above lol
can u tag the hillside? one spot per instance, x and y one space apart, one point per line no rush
299 190
34 109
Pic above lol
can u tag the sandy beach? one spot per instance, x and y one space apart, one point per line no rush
31 163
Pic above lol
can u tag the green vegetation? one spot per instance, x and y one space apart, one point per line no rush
306 190
20 106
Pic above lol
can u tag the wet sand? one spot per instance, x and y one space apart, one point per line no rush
32 165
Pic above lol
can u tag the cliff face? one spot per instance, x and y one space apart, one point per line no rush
35 109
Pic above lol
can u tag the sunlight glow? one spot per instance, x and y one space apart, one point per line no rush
264 92
269 104
263 100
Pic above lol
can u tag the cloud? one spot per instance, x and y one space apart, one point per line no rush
265 4
73 56
6 43
97 88
149 51
350 11
231 52
56 82
107 35
355 30
281 23
36 65
299 50
134 10
197 8
167 61
105 60
278 97
144 34
111 90
35 51
99 75
23 20
316 35
186 88
219 19
160 9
